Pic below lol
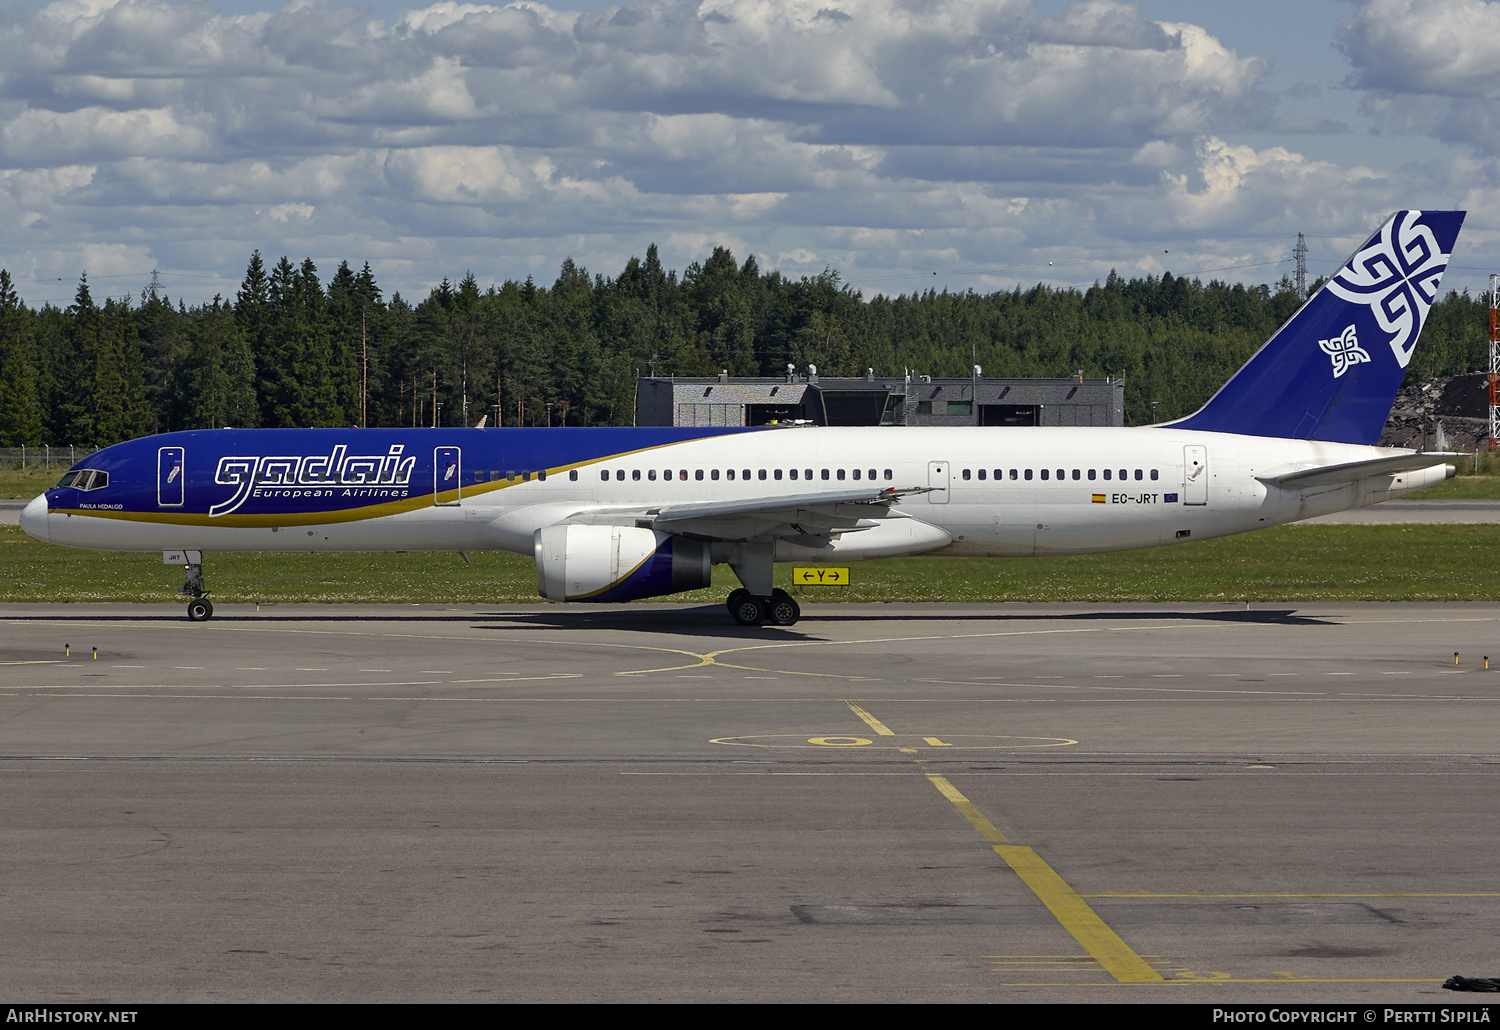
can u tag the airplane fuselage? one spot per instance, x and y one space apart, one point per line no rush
975 491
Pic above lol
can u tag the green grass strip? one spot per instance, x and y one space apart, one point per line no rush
1292 563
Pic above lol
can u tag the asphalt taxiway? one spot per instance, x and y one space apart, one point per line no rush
883 803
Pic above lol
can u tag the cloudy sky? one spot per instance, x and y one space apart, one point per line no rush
907 143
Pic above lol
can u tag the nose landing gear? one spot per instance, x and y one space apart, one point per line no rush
199 608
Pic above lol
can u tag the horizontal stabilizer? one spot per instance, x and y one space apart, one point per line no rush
1328 475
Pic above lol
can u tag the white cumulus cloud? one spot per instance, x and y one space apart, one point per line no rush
876 135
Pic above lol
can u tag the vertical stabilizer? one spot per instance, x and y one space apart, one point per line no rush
1331 373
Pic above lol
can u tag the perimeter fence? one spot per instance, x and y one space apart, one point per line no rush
44 457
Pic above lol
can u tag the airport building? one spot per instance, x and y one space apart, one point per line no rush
909 400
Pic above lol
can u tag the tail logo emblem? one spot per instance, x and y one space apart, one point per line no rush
1397 276
1344 351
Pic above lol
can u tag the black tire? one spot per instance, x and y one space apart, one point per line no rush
783 611
749 611
199 610
735 597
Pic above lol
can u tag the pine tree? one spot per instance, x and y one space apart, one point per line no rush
20 410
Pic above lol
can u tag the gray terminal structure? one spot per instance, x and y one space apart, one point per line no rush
908 400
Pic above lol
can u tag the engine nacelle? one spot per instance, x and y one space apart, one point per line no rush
616 563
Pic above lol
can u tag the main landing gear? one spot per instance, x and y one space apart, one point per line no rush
200 608
777 610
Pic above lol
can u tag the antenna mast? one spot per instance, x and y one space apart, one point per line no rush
1300 253
1494 383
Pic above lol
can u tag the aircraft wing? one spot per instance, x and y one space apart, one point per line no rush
1329 475
801 515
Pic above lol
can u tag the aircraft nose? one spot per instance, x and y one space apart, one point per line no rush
34 518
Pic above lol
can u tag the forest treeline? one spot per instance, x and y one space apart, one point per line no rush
291 350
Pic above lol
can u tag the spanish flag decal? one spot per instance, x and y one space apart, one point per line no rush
1098 498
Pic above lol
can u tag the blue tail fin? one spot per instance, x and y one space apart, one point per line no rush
1331 373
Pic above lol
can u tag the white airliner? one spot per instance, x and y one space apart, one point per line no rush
620 514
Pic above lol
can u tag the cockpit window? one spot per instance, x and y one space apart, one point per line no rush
84 479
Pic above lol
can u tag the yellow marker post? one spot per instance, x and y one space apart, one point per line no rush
820 576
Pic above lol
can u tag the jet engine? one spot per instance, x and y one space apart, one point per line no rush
616 563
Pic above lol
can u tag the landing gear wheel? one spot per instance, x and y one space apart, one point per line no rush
735 597
749 610
783 611
199 610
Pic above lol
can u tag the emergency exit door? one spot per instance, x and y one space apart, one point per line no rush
938 476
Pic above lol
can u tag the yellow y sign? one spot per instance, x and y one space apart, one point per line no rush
820 576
